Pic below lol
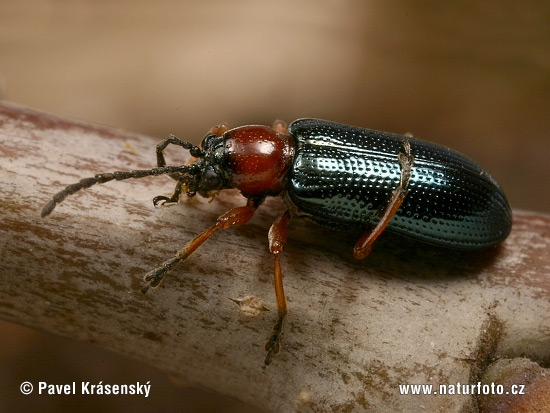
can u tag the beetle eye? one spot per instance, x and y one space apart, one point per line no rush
208 139
210 178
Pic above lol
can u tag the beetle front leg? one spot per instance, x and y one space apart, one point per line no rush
195 151
277 239
162 201
363 246
232 218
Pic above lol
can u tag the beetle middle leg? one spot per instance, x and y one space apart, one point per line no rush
233 218
363 246
277 239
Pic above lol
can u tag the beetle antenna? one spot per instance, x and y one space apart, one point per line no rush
102 178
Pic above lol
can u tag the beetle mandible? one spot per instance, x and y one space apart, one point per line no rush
336 175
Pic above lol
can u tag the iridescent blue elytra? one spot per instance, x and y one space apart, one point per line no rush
344 176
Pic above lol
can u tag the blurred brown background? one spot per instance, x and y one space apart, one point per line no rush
474 76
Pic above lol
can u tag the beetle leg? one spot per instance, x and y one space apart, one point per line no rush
280 126
232 218
277 239
195 151
162 201
219 129
363 246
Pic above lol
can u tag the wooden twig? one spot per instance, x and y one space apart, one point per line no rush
356 329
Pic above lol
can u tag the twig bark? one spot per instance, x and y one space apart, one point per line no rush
356 329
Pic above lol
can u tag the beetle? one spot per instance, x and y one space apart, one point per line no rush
336 175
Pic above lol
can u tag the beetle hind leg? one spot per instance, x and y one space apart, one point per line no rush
363 246
277 238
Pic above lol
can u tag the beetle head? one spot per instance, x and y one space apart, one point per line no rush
207 172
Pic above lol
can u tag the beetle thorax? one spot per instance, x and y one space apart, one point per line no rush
258 159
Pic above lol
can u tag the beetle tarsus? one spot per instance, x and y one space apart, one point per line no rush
273 343
164 201
154 277
406 161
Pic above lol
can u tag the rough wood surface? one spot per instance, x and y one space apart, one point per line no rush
356 329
